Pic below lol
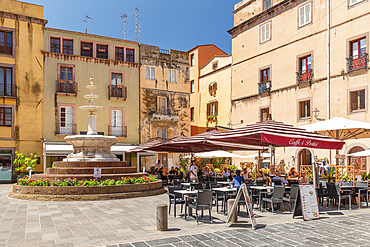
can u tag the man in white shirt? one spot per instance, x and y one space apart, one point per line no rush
158 165
193 171
225 173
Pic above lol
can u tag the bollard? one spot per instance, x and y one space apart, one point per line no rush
162 217
230 204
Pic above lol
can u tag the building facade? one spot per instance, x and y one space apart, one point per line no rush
164 100
199 56
71 59
21 83
289 63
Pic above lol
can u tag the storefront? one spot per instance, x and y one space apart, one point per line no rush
6 165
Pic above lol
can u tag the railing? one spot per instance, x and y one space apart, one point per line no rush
164 51
8 90
62 128
66 87
304 76
117 131
264 86
117 92
357 62
6 48
164 111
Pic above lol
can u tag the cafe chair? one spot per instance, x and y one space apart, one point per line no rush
203 201
175 199
277 181
276 197
321 194
197 186
218 196
335 194
292 197
362 189
260 183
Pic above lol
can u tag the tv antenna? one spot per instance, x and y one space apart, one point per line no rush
85 20
137 26
123 18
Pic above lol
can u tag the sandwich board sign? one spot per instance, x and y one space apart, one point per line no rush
306 203
243 190
97 172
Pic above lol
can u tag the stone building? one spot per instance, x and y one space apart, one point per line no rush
21 83
71 59
285 68
164 100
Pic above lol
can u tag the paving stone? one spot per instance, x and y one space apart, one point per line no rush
140 244
163 241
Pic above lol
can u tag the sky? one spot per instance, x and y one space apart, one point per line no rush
169 24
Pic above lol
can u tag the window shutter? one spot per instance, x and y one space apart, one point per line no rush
301 16
308 13
353 101
263 30
147 72
216 108
215 86
362 99
169 75
268 31
175 76
308 108
208 110
152 73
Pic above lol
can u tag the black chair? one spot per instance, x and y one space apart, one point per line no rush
321 194
361 191
202 202
292 196
218 196
208 184
260 182
177 182
276 181
197 186
175 199
276 197
335 194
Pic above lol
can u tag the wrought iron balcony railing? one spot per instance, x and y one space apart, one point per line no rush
8 90
304 76
6 48
63 128
66 87
117 92
357 62
117 131
163 111
264 86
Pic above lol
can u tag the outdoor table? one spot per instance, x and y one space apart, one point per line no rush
259 189
186 184
187 193
225 182
225 191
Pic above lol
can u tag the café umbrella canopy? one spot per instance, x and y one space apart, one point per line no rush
216 154
361 154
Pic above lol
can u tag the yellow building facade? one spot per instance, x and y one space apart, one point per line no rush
21 83
285 67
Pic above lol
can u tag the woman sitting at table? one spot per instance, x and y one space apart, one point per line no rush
303 179
293 173
238 180
212 173
259 178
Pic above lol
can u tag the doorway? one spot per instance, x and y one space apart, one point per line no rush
305 159
6 168
358 162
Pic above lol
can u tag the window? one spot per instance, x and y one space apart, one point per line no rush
212 88
66 74
305 15
116 121
86 49
6 42
212 109
305 63
119 54
265 81
162 133
357 100
305 72
265 32
266 4
6 86
150 73
162 105
55 45
66 120
305 109
102 51
116 79
130 57
192 60
352 2
265 75
264 114
192 114
358 57
192 87
68 46
171 76
5 116
358 47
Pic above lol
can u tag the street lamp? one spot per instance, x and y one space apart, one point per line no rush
316 113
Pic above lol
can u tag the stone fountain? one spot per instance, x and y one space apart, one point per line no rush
91 147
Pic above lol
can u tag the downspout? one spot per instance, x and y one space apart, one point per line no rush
139 129
328 67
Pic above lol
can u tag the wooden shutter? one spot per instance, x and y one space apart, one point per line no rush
267 31
362 99
147 72
354 101
308 13
301 16
215 86
169 75
263 33
216 108
208 109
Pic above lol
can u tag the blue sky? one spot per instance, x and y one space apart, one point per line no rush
169 24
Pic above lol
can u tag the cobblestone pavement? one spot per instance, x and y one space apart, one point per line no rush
101 223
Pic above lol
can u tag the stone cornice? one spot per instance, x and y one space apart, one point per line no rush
23 18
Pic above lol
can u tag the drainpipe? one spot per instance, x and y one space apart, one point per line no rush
328 66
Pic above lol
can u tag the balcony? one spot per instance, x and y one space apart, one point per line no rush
119 131
357 62
304 76
6 48
163 114
63 128
264 86
117 92
9 90
66 87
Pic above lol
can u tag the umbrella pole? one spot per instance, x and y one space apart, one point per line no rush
259 161
272 159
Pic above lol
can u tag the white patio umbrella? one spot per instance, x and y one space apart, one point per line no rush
360 154
216 154
263 155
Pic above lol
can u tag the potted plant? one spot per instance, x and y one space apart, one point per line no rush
331 175
22 161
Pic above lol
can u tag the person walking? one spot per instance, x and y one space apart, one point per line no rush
194 171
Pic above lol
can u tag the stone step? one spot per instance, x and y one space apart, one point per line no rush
90 170
71 164
86 176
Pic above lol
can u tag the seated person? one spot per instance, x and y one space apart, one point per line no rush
162 175
177 173
238 180
212 173
277 177
231 176
245 174
225 173
172 171
205 171
293 173
260 177
303 179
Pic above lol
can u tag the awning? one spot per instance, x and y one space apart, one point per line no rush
63 149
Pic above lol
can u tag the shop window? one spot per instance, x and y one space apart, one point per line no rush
5 116
55 45
102 51
171 76
130 55
305 14
305 109
265 32
86 49
6 42
68 46
358 101
150 73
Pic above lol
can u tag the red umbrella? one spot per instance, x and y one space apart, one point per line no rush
143 147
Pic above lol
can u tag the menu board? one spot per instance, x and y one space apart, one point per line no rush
306 203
